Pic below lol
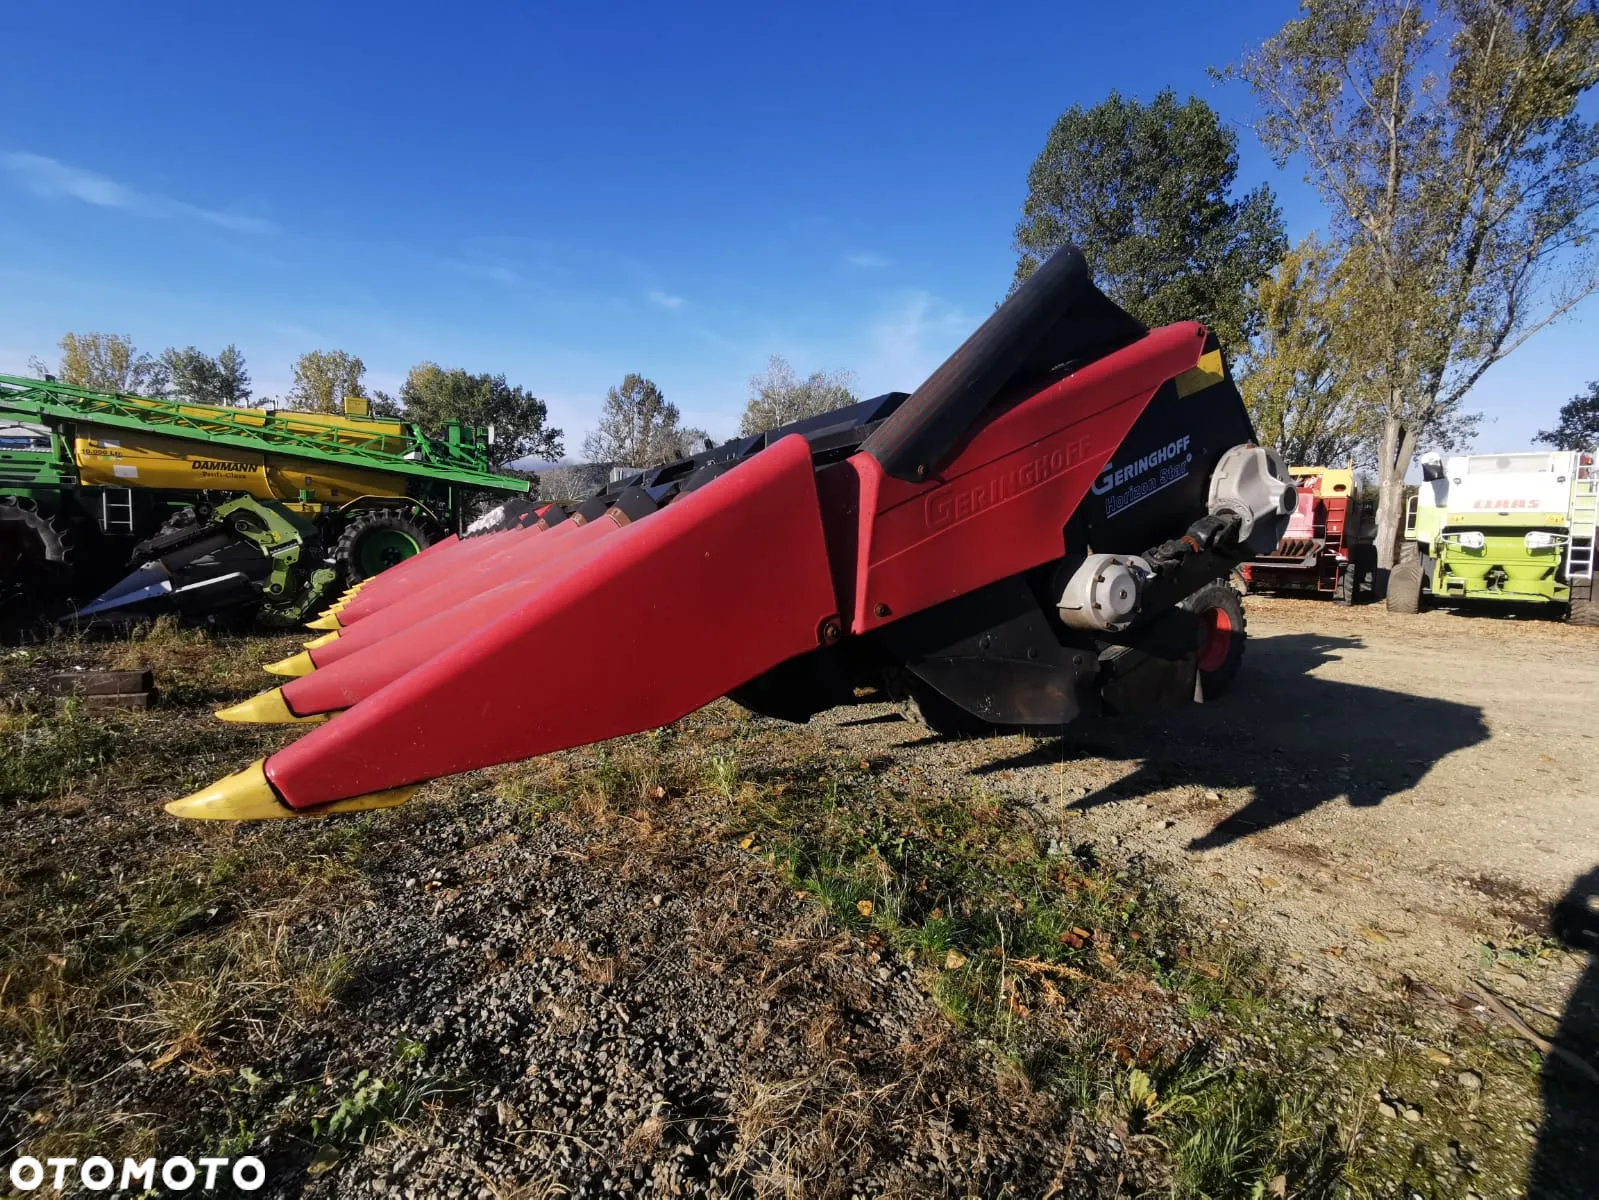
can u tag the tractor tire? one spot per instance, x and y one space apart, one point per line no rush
1344 593
1583 612
929 707
377 540
35 551
1223 633
1404 588
1363 568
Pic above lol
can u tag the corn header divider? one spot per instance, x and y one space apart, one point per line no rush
1038 532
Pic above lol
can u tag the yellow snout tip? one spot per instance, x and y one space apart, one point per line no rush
327 620
269 708
294 666
248 796
327 639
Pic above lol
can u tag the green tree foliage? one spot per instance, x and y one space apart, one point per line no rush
1296 377
432 396
1146 192
780 396
637 426
106 362
1578 428
323 378
195 376
1444 137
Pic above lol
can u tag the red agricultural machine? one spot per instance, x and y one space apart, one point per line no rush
1324 548
1042 530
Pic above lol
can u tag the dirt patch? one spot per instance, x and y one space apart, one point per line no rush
1514 901
1363 777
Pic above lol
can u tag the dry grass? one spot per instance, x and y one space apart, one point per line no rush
124 936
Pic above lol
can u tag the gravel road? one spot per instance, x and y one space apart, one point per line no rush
1379 794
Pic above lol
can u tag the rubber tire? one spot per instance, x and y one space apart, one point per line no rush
928 706
1220 597
1344 593
51 545
347 552
1583 612
1404 588
1363 566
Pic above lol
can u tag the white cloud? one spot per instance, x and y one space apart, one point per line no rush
494 272
664 299
866 260
50 178
909 342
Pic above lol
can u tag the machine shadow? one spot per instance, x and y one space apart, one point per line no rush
1297 740
1565 1161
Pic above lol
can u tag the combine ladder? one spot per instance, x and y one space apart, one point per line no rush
116 510
1584 517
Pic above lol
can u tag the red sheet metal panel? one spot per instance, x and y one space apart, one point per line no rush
530 557
383 591
676 610
999 507
360 672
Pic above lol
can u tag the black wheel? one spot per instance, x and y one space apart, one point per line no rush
1583 612
35 550
1363 567
376 541
1344 593
1404 588
1222 634
930 707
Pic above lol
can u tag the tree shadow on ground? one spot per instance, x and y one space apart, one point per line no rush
1299 741
1565 1162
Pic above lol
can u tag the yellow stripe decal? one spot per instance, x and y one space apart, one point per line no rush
1198 378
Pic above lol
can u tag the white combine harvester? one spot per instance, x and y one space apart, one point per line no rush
1502 528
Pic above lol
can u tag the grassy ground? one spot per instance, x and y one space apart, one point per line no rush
193 954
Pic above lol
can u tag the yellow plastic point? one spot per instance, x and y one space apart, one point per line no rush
269 708
325 621
327 639
248 796
294 666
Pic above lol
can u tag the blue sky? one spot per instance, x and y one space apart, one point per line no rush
569 194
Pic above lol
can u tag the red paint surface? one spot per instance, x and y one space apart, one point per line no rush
385 587
999 507
364 669
432 593
677 609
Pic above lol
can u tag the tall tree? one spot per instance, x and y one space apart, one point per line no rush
1578 427
1147 193
196 376
1297 377
106 362
780 396
1444 136
637 426
323 378
432 396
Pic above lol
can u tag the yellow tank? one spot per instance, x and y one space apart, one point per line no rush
109 457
